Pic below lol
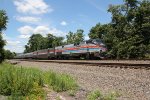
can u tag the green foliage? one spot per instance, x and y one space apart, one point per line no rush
19 82
98 31
111 96
3 24
127 35
96 95
3 20
70 37
79 37
9 54
2 55
60 82
129 38
49 41
35 42
58 41
2 43
38 42
75 37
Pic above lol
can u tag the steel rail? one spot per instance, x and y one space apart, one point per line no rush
100 64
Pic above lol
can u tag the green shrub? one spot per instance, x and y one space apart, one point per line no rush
96 95
19 81
60 82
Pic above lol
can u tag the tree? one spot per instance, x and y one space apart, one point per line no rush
70 37
3 24
75 37
128 34
35 43
130 29
48 41
38 42
50 38
27 49
3 20
9 54
58 41
2 43
142 21
98 31
79 36
52 41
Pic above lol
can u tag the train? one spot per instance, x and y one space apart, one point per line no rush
89 49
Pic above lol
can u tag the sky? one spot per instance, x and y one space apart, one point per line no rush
57 17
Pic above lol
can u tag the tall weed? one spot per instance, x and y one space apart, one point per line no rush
97 95
19 81
60 82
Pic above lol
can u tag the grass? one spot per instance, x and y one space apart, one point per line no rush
72 92
60 82
97 95
20 83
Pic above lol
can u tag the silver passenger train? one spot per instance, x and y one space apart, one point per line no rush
90 49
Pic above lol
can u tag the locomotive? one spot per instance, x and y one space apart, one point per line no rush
89 49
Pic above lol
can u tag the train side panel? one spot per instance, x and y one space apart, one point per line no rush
42 54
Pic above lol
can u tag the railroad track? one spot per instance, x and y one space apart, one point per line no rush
132 64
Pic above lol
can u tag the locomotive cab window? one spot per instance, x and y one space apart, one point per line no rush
76 44
97 41
88 41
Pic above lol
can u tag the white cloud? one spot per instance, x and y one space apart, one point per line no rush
63 23
17 49
57 32
28 19
12 43
27 31
45 30
24 36
42 30
32 6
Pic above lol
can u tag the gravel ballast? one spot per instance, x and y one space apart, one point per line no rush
131 84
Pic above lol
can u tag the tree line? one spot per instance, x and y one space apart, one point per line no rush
38 42
126 36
